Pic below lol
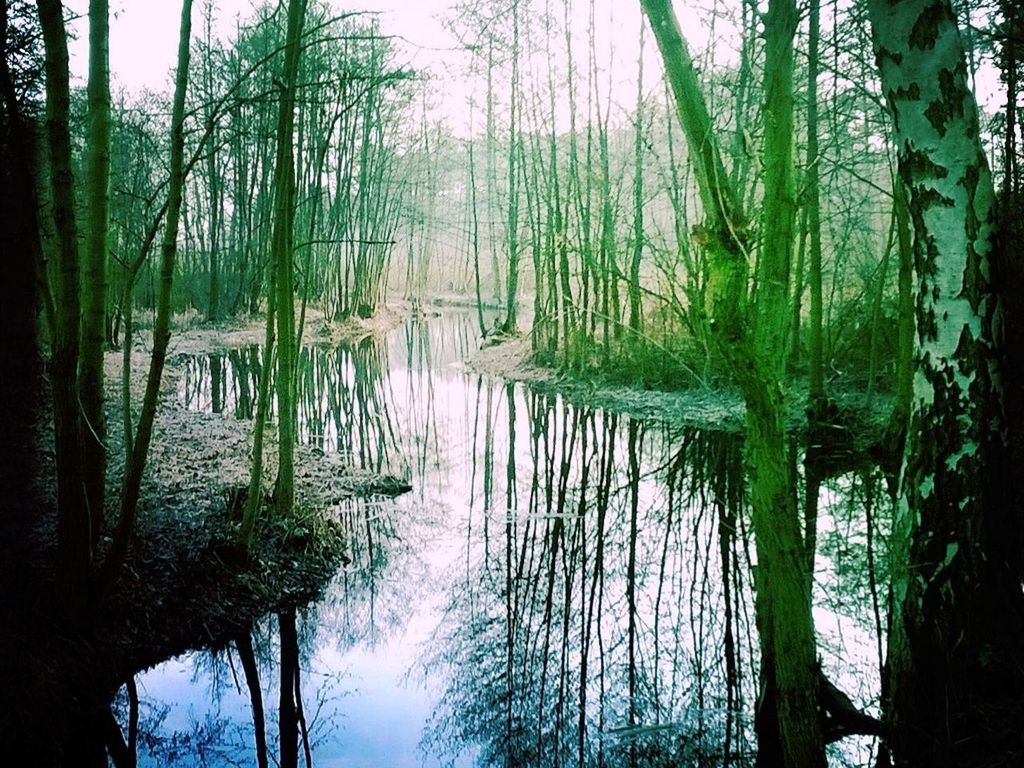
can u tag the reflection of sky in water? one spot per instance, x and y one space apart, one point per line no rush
427 580
371 636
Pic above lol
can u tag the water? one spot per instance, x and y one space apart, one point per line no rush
563 586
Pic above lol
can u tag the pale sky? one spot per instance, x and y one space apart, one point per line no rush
143 45
144 33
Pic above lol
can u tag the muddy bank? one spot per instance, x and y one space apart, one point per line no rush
196 457
191 336
184 587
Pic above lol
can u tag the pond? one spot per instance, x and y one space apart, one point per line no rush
562 586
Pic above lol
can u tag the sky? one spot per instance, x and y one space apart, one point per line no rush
143 44
144 33
143 47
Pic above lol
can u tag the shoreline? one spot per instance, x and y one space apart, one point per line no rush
185 585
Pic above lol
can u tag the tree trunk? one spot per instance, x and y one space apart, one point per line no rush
956 642
787 723
635 306
722 235
252 682
817 406
783 605
162 323
284 218
94 267
511 324
254 498
20 363
215 195
897 427
74 550
287 716
475 239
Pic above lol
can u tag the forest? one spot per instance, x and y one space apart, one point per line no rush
512 383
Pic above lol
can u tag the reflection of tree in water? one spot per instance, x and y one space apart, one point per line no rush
346 395
376 591
345 406
343 400
288 714
213 741
418 395
364 604
223 381
348 402
601 613
603 618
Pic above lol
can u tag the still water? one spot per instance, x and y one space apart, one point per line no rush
563 586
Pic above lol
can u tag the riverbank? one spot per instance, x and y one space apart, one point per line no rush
712 408
185 585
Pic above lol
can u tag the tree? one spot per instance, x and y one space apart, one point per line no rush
20 369
246 654
135 467
812 204
74 547
214 187
955 647
284 219
94 266
287 718
511 323
788 727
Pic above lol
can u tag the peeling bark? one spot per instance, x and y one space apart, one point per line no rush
955 646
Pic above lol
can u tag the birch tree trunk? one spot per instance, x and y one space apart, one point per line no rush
956 642
895 433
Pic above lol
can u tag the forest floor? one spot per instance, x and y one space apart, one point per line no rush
186 584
